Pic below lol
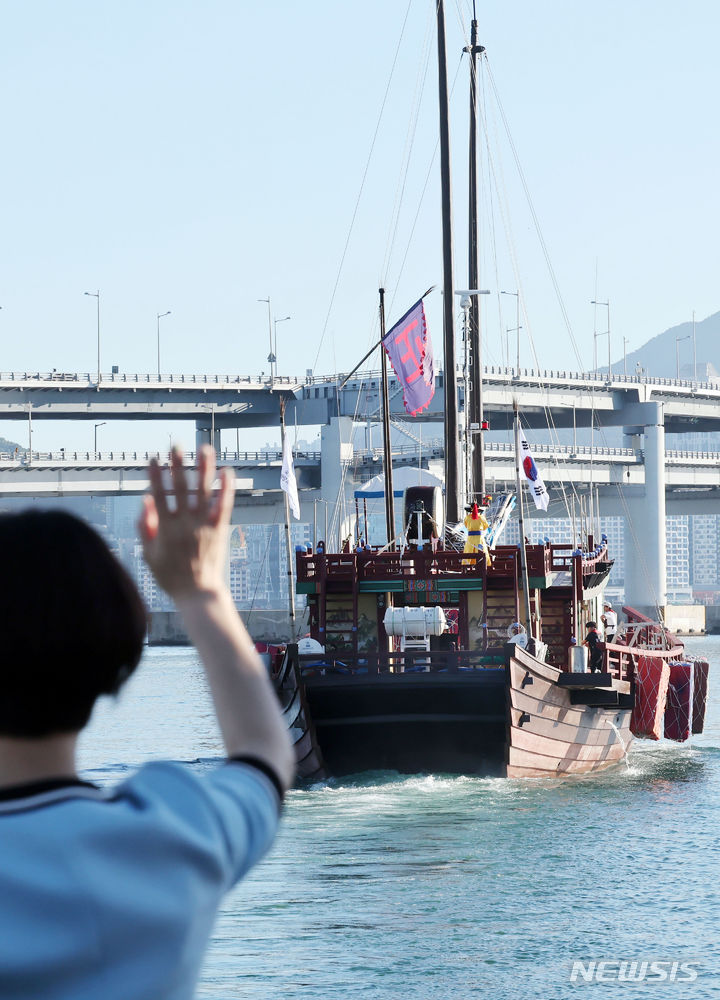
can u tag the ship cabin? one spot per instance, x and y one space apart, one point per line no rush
349 594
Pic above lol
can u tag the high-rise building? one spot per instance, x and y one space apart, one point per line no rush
705 557
678 549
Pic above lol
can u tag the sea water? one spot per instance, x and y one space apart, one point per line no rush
387 886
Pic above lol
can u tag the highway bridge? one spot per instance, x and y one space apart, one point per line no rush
691 478
218 402
646 408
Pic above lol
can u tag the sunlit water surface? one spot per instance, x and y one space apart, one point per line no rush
387 886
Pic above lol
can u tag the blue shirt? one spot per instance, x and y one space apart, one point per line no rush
111 894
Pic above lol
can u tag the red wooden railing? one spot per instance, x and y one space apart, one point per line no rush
619 659
373 663
370 564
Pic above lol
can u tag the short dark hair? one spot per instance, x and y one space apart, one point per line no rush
591 625
72 623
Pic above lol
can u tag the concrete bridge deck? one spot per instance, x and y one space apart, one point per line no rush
228 401
689 476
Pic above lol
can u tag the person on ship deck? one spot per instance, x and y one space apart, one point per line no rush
610 622
592 641
476 525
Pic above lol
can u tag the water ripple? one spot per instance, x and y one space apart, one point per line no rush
387 887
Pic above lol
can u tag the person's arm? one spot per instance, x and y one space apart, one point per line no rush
186 547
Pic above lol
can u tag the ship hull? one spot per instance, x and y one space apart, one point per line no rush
551 732
411 723
514 721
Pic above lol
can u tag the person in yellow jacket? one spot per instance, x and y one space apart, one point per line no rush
476 525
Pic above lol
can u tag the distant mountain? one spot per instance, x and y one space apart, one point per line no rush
660 355
8 447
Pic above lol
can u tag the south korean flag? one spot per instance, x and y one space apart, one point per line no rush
535 484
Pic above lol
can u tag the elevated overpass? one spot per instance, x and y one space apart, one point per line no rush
646 408
692 479
218 402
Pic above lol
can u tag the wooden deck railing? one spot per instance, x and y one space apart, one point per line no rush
373 663
619 659
371 564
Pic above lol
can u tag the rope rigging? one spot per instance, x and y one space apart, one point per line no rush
362 184
495 196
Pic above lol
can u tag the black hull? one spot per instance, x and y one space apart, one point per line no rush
411 723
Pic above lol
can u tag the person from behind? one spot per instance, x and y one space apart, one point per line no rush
517 635
112 892
592 641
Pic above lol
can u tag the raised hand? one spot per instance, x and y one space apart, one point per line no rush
186 547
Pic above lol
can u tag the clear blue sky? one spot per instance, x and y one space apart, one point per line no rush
199 156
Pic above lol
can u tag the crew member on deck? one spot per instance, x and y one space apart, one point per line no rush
592 641
609 620
476 527
517 635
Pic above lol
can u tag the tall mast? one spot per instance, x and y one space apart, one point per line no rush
523 552
452 466
387 448
476 401
288 540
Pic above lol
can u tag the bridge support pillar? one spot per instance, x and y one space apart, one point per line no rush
645 528
206 433
336 454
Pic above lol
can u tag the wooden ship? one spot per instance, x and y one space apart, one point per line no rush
478 704
425 658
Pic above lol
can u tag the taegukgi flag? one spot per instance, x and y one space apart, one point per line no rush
535 484
288 482
409 349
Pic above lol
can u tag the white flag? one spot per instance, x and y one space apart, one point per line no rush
287 478
529 470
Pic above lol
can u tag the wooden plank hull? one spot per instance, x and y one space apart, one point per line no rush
293 703
548 736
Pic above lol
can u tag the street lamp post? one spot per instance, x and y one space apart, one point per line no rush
678 341
593 302
271 355
159 317
96 295
275 323
101 424
517 328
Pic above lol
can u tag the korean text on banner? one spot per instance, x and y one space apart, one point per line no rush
409 349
